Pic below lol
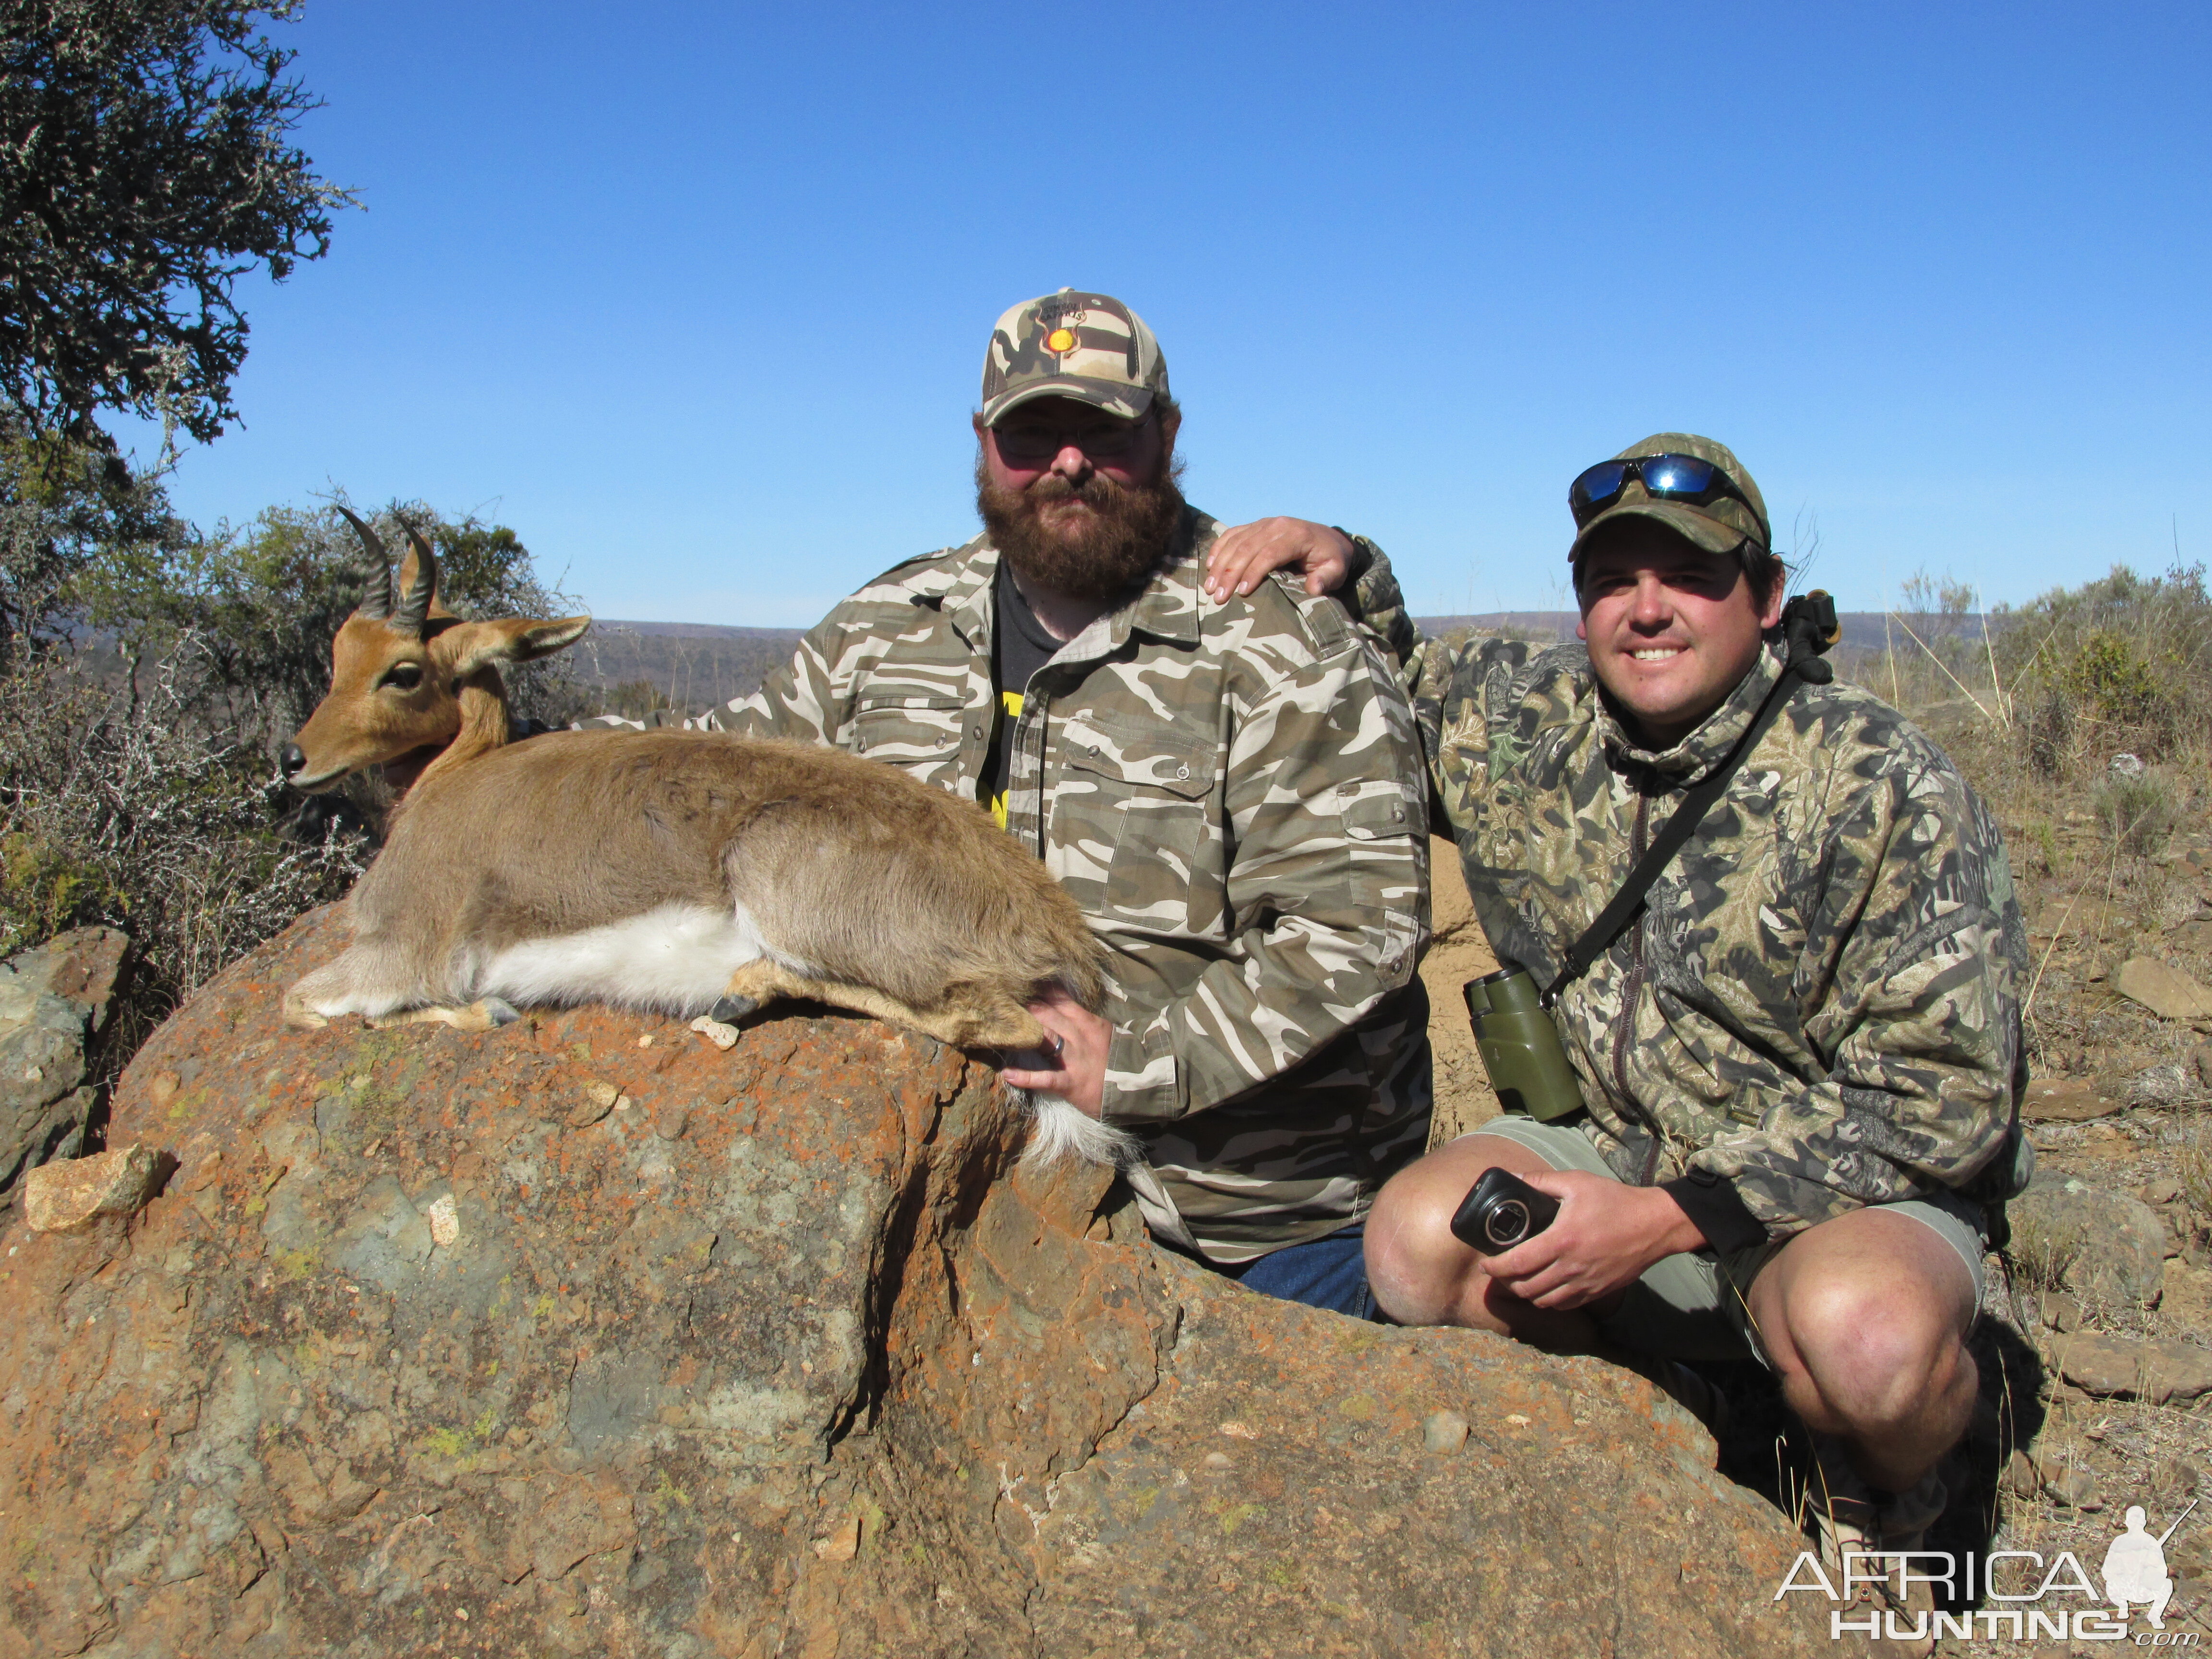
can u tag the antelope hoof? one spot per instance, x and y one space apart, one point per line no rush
732 1009
304 1019
496 1011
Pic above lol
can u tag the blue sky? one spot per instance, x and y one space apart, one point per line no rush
694 297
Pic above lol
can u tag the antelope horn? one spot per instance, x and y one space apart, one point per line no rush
415 605
375 571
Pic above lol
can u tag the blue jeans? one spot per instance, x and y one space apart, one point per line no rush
1323 1272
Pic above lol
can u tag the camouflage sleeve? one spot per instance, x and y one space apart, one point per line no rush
1454 689
1913 906
1376 604
800 701
1326 890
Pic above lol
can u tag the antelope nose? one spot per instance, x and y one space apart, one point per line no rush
292 760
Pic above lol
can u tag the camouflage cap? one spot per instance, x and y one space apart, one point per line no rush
1089 347
1723 525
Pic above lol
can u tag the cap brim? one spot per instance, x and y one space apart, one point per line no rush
1114 397
1688 523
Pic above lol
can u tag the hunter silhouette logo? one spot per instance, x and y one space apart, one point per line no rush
2135 1566
2012 1584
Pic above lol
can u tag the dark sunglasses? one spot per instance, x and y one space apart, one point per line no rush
1034 446
1664 478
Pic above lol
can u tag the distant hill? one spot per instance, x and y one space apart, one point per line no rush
641 665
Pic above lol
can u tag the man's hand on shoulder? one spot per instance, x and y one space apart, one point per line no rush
1244 553
1605 1236
1084 1039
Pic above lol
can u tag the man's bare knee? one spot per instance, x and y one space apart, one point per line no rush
1420 1273
1871 1313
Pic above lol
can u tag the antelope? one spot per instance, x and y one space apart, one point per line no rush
690 873
414 689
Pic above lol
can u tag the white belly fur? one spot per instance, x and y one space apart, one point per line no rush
675 959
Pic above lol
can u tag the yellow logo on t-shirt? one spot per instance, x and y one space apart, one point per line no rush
1011 702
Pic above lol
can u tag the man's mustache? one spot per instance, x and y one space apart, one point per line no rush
1096 490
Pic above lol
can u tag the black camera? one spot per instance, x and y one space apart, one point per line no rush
1500 1211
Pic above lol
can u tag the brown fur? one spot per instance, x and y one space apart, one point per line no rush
911 903
458 710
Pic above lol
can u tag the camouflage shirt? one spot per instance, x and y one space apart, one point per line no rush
1819 1006
1233 793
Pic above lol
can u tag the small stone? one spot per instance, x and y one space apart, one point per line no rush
1219 1460
2020 1474
2166 991
2160 1192
670 1120
646 1041
600 1099
445 1220
1444 1431
2076 1488
1236 1430
841 1545
2061 1311
67 1196
165 1087
721 1036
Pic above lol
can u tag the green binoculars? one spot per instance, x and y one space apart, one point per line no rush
1520 1045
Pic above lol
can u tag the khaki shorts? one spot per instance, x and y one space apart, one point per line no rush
1690 1305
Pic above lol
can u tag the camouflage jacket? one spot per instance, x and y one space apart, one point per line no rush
1819 1006
1233 793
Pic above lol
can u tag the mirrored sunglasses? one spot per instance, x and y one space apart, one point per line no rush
1664 478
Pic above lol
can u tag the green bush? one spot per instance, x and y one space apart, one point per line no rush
2139 813
2123 663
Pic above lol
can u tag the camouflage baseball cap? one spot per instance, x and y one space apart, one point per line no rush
1089 347
1723 525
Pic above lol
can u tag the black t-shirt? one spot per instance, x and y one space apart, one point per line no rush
1020 646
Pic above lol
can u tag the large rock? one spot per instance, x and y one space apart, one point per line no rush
2169 992
2106 1246
555 1340
53 1003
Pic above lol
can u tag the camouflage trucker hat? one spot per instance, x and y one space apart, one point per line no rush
1720 524
1089 347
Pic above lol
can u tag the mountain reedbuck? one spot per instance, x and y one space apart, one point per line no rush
685 873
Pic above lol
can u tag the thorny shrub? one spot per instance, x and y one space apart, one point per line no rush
117 806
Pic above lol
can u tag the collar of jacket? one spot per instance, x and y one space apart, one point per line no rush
1166 607
1705 748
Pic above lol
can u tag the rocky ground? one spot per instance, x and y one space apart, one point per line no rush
586 1337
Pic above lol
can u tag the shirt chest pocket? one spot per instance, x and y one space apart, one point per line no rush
1135 826
917 732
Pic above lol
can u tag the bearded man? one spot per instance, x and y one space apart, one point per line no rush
1231 789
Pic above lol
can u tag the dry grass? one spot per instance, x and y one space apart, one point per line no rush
117 806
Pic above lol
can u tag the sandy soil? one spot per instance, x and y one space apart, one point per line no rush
1464 1097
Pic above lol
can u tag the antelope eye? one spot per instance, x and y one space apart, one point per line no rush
405 675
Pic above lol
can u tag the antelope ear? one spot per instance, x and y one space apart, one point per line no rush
512 639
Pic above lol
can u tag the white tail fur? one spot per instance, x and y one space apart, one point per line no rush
1060 1131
